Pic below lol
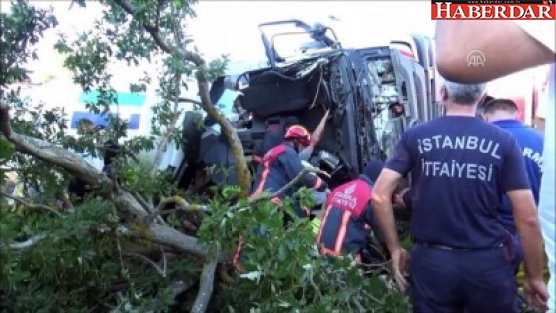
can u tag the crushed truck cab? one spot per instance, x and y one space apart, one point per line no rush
373 93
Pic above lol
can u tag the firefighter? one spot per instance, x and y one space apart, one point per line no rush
348 215
515 46
279 166
460 169
504 114
282 164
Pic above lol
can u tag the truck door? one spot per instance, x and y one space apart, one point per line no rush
398 90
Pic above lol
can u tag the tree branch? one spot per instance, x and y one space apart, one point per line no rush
187 100
168 236
27 243
164 262
243 174
130 204
51 153
181 205
205 288
146 260
266 196
30 205
290 184
5 126
126 201
151 29
67 202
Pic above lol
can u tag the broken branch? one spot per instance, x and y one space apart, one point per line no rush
290 184
205 288
27 243
267 196
164 262
167 236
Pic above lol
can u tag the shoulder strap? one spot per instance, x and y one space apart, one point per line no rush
267 161
273 153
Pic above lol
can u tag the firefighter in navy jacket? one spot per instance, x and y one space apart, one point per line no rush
348 215
279 166
504 114
282 164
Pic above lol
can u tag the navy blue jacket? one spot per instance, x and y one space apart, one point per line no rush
278 167
460 167
531 143
347 219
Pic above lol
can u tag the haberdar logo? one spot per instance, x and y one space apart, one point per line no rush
494 10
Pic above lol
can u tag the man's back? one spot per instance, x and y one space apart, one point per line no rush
461 168
347 219
280 166
272 176
531 142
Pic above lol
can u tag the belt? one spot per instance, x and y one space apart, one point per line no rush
451 248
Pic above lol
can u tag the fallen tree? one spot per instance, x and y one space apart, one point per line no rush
139 217
137 243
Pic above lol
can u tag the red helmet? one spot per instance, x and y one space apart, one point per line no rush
299 133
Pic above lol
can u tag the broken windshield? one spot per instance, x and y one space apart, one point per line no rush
286 40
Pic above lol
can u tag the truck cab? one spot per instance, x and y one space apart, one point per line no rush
374 94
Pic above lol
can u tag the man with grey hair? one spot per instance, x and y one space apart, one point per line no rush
461 258
508 47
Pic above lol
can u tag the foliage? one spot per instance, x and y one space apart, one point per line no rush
19 31
281 268
75 268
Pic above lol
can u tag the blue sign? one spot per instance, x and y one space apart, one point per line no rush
102 120
130 99
124 99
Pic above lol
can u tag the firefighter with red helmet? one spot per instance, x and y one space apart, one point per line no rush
348 215
279 166
282 164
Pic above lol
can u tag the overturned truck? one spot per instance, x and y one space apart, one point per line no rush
374 94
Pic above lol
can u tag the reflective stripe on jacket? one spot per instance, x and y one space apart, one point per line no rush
348 215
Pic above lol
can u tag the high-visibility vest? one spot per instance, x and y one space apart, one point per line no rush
344 206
